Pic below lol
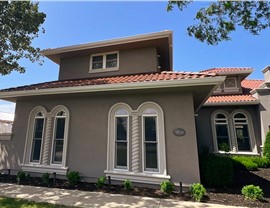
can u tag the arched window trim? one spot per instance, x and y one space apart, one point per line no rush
30 133
111 135
253 146
213 121
161 152
54 113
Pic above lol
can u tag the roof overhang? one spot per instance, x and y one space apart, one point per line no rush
255 102
195 86
161 40
242 74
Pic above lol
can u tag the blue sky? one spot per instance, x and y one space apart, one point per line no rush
70 23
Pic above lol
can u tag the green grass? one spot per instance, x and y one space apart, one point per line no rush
20 203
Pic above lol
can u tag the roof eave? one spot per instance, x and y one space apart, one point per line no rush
255 102
11 96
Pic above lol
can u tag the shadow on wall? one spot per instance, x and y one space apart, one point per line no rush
9 158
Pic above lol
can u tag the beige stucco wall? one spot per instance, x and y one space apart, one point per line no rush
130 62
87 144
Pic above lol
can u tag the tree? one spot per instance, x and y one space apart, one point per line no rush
220 18
20 23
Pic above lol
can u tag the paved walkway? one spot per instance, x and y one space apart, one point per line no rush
93 199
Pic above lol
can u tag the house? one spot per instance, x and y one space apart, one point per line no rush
6 122
119 109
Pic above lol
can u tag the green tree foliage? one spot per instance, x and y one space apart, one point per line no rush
266 147
20 23
218 19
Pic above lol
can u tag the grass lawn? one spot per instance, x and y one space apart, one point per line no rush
20 203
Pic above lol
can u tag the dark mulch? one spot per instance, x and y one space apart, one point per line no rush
227 196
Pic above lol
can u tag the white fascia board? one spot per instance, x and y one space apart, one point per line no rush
248 71
116 87
124 40
255 102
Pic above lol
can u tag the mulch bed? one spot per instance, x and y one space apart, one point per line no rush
227 196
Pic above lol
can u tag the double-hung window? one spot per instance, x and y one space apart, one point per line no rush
105 61
37 137
241 132
222 131
59 135
150 140
121 139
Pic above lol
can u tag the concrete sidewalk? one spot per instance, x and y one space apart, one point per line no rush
93 199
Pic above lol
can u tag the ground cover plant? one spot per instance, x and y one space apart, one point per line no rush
252 192
197 191
167 187
73 177
20 203
101 182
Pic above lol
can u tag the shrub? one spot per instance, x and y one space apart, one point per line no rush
21 176
46 178
101 182
167 187
197 191
261 162
252 192
224 147
244 162
266 146
73 177
127 184
216 171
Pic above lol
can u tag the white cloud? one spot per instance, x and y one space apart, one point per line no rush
7 107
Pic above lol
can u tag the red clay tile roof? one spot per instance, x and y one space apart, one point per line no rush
136 78
227 69
247 85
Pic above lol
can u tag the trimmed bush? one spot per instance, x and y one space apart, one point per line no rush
216 171
46 178
266 146
166 187
197 191
127 184
244 162
73 178
21 176
252 192
101 182
262 162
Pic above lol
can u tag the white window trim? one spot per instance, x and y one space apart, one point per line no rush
160 137
111 137
54 112
249 122
232 136
121 168
104 69
30 133
214 132
150 170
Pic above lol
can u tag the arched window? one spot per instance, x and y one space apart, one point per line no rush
241 127
38 134
121 139
59 143
222 132
150 139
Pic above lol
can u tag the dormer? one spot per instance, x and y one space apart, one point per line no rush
232 82
146 53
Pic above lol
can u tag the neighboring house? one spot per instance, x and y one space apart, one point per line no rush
119 109
6 123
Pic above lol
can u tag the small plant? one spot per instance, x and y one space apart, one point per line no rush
21 176
101 182
46 178
167 187
266 146
224 147
197 191
252 192
127 185
73 178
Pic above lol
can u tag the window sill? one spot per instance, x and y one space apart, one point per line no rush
237 153
5 136
92 71
153 178
44 169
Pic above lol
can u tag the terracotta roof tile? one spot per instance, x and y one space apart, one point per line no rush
247 85
136 78
227 69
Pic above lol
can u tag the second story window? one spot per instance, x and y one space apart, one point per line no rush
104 62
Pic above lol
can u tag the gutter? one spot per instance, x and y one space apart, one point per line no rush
116 87
255 102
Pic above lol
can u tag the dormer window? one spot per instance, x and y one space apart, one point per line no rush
104 62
